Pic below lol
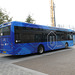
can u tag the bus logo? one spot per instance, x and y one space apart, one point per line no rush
51 40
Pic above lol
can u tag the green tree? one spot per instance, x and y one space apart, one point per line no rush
29 19
4 16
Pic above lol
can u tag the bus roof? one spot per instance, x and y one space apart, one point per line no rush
36 26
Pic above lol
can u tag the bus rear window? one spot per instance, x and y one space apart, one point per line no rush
5 31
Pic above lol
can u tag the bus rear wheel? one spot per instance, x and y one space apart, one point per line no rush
40 49
66 45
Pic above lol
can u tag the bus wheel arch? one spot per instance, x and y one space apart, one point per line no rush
66 45
41 49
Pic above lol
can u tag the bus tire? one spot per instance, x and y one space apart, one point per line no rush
40 49
66 45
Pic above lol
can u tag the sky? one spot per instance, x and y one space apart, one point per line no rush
40 11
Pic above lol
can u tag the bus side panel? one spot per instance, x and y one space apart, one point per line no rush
70 43
28 48
61 44
23 49
58 45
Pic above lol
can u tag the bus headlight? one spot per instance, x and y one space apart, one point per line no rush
6 44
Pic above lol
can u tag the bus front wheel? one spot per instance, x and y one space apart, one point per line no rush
66 45
40 49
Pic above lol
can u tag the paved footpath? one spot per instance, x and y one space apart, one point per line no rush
7 68
11 69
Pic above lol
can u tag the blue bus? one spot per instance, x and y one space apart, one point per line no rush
19 38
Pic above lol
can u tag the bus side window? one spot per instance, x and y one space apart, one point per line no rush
70 36
44 37
38 37
17 38
62 37
51 39
58 37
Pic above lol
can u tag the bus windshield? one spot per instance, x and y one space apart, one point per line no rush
5 31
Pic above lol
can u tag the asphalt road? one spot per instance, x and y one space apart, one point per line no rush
60 62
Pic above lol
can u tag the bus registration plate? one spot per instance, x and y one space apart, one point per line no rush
4 51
